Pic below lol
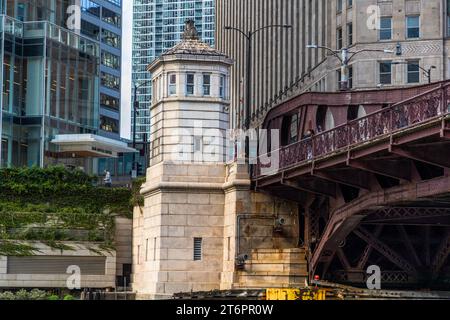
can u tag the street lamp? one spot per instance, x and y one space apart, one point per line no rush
345 56
249 36
135 112
426 71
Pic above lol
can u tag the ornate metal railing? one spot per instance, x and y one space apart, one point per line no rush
417 110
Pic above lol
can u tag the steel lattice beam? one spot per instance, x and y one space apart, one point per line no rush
409 246
368 250
403 213
385 250
442 254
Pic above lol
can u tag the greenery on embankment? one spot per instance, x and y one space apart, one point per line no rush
55 205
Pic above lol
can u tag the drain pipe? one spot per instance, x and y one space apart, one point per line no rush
247 216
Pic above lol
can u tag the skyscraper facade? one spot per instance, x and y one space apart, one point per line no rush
280 56
51 77
101 20
416 31
157 26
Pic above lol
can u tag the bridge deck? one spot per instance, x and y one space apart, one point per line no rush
397 157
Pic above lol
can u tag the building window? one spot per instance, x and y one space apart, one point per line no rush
110 81
109 125
448 18
413 27
339 6
110 60
349 3
198 254
90 30
206 85
350 77
190 84
90 7
111 17
448 25
172 84
339 38
110 38
350 33
386 72
386 28
413 71
222 87
339 78
109 102
293 130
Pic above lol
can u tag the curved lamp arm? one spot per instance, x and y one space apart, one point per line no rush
238 30
369 50
333 52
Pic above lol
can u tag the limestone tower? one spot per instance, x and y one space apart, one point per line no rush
178 236
189 113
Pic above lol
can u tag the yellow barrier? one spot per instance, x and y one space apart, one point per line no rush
295 294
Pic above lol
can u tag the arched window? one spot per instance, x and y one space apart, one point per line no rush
324 119
289 130
329 120
361 112
355 112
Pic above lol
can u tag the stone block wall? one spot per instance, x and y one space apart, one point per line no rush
215 203
182 202
59 280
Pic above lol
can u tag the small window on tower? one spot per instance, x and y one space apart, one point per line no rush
172 84
222 87
206 85
190 84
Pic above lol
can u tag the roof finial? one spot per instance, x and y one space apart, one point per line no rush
190 31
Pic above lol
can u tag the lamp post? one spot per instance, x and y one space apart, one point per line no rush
135 112
345 56
249 37
426 71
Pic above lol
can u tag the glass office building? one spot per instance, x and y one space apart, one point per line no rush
51 79
101 20
158 26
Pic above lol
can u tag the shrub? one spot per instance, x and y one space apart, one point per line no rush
37 294
22 295
69 297
34 294
7 295
53 297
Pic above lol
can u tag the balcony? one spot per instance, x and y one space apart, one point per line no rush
45 29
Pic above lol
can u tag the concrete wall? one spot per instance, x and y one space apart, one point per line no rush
123 243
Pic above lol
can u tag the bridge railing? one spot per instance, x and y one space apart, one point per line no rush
406 114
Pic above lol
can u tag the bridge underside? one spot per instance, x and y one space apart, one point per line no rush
385 202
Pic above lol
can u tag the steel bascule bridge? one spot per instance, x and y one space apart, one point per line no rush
370 173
